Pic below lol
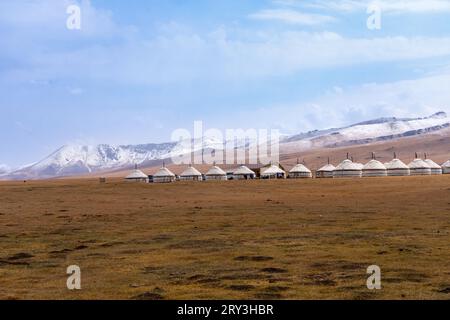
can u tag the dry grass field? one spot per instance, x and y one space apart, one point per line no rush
234 240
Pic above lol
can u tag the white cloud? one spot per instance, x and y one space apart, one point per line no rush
220 55
394 6
292 17
177 54
407 98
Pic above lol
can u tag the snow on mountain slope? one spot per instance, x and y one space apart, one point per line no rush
393 127
369 131
104 156
79 159
73 160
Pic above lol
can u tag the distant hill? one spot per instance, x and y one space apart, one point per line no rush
384 136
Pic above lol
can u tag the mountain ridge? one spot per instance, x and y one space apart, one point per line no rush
74 160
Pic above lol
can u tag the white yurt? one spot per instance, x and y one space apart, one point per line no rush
191 174
446 167
374 168
418 167
137 176
300 171
326 171
163 175
348 169
435 168
272 172
397 168
215 173
243 173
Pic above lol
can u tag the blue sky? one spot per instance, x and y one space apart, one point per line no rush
137 70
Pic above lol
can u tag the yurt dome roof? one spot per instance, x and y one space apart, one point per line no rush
190 172
327 168
137 174
396 164
374 165
418 164
358 165
348 165
446 164
164 172
216 171
273 169
243 170
300 168
432 164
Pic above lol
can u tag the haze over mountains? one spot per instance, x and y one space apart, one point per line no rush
4 169
74 160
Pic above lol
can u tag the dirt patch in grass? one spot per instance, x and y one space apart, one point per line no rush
241 287
19 256
148 296
253 258
268 296
274 270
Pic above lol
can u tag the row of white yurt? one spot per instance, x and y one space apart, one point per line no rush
164 175
299 171
446 167
396 167
190 174
346 168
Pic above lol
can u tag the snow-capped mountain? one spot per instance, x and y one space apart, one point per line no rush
369 131
79 159
73 160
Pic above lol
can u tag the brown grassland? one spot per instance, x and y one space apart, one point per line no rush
229 240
